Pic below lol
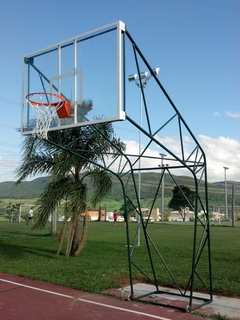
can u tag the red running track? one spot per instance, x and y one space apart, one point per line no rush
22 298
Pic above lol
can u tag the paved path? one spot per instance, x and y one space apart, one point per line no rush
224 306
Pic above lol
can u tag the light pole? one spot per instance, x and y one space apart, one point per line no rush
141 84
162 155
225 179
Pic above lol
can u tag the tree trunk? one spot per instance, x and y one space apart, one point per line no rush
182 213
54 222
84 233
75 237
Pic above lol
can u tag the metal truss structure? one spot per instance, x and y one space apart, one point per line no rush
161 119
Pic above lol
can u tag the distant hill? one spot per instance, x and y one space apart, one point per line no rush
33 189
221 185
25 190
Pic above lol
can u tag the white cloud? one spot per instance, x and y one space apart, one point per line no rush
219 152
233 114
216 114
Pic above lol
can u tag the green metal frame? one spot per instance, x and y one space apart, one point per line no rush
195 163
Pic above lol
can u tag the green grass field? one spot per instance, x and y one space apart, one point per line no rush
103 262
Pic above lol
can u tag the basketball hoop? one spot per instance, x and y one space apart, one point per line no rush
47 105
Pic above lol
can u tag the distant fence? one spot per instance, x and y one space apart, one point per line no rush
8 166
10 212
9 208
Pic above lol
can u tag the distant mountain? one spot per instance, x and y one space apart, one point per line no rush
25 190
216 191
221 184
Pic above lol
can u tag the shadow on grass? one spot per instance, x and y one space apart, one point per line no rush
10 251
23 229
47 253
40 235
31 233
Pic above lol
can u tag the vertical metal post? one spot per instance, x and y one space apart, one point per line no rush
28 106
139 171
162 197
20 213
162 201
225 179
233 205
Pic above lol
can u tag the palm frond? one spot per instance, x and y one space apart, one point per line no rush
102 185
50 198
77 197
34 165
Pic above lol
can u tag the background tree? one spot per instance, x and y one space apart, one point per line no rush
183 198
69 172
13 211
129 207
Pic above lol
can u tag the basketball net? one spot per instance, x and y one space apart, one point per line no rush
45 111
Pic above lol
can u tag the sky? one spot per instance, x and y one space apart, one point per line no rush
195 43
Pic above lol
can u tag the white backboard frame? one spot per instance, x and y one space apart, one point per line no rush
37 76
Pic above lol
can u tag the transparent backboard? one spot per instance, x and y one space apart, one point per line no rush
84 69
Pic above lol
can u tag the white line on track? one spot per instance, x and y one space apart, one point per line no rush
87 301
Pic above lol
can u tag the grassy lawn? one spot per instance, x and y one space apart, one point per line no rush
103 262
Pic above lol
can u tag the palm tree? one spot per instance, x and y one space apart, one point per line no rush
70 156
